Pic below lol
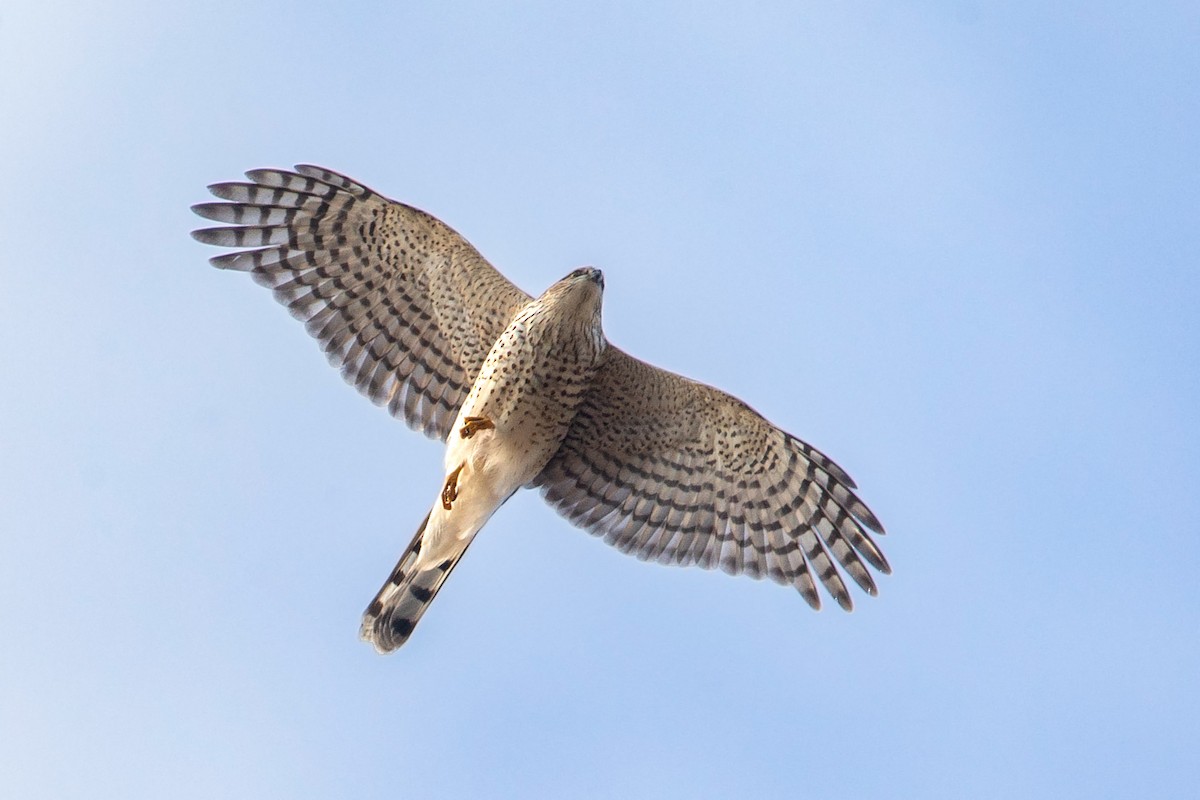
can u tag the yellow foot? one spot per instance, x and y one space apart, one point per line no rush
450 490
475 424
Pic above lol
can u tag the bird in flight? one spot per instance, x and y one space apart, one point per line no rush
527 392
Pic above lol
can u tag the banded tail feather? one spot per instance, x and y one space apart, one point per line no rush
391 617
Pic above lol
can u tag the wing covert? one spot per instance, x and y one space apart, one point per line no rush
401 303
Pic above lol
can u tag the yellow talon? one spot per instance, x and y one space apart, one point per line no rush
473 425
450 490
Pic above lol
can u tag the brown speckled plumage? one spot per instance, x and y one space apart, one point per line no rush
658 465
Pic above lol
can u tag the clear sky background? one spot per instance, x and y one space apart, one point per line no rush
956 245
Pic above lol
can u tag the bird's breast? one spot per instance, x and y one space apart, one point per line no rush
530 386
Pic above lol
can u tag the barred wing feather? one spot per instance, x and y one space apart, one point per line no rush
400 302
681 473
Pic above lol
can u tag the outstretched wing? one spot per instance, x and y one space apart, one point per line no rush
406 307
682 473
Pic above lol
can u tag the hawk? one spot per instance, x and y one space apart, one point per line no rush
527 392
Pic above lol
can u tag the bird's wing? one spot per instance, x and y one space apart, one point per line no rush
681 473
406 307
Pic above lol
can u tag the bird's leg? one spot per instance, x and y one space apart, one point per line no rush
450 490
473 425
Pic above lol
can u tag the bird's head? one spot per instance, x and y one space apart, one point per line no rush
584 276
579 292
577 297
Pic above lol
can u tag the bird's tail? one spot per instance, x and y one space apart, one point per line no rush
395 611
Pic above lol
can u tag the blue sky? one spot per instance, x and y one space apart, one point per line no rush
952 244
